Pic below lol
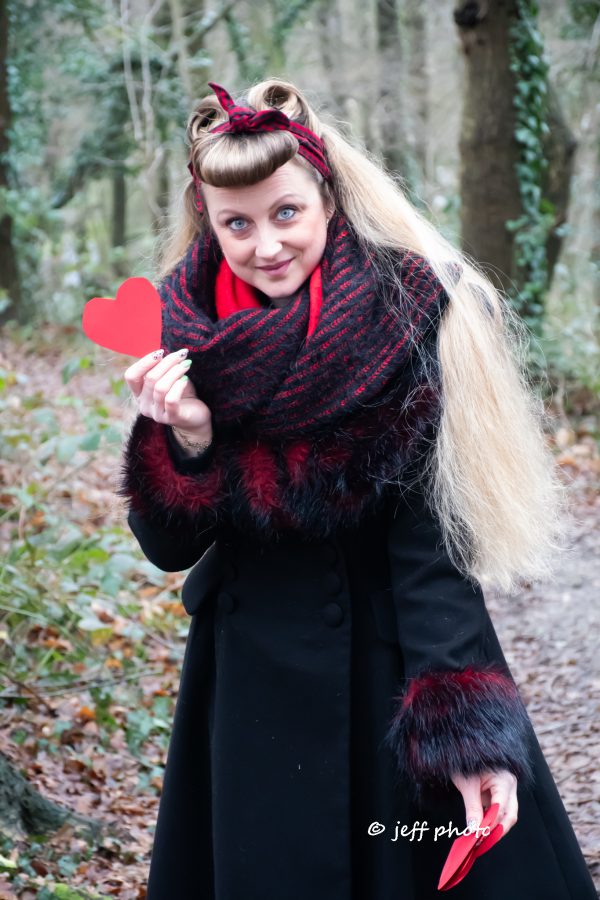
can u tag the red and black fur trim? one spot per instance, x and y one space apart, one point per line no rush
310 486
466 721
310 429
262 368
155 488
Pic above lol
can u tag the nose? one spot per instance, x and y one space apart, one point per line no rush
268 245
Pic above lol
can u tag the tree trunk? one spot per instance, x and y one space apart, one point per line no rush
414 21
332 40
391 107
489 189
196 46
329 17
559 149
119 213
179 36
120 266
9 270
163 189
23 810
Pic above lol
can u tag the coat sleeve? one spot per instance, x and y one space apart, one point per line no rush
172 499
457 712
184 463
171 550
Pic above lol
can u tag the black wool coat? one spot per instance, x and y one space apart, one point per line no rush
279 776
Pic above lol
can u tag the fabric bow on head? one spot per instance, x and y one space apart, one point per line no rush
242 119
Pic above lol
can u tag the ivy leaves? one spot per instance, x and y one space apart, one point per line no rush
532 228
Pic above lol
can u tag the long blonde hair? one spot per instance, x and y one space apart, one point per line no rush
491 478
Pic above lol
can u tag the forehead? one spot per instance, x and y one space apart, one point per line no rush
291 178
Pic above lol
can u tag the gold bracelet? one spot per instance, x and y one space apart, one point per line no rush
193 445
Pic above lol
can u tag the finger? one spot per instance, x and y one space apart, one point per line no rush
164 384
134 375
470 788
501 796
173 399
160 378
508 817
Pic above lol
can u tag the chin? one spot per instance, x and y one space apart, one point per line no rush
284 288
284 291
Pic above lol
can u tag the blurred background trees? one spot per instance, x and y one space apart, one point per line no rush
487 111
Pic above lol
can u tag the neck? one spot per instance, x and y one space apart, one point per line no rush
272 301
281 301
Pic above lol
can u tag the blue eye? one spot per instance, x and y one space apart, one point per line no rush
292 210
289 208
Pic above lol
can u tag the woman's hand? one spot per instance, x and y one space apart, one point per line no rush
485 789
162 395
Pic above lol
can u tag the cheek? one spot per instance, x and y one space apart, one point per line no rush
236 252
316 239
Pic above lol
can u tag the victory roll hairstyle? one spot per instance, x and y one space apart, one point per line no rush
491 478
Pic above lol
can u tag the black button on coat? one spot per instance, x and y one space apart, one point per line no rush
296 658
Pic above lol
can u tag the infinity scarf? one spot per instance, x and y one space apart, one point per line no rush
318 407
232 294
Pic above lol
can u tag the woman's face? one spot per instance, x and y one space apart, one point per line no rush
280 220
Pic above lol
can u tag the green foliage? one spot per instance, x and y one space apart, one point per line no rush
68 257
571 335
584 14
64 892
249 67
143 723
22 871
531 229
35 108
57 574
74 633
259 44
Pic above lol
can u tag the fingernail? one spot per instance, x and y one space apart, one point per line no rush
184 378
157 354
187 364
183 352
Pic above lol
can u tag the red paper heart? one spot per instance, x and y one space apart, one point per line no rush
467 848
131 323
487 842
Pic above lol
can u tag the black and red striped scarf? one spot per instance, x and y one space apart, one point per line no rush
318 406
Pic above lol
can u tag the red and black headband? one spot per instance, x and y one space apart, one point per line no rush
244 119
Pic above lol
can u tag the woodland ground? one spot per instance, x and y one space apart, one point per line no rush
92 635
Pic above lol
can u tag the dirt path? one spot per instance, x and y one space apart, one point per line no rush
549 634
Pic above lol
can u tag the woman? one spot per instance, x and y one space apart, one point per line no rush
337 436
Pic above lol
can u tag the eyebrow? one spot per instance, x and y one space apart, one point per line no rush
223 212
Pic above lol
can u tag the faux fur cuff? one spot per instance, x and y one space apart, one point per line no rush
156 488
311 485
465 721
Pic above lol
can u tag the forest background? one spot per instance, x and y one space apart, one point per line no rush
489 114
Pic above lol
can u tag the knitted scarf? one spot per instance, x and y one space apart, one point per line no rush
318 406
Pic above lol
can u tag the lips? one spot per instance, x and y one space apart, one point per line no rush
279 269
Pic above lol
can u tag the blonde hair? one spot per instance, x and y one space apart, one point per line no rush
491 478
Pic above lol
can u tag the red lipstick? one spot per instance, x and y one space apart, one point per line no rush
278 269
